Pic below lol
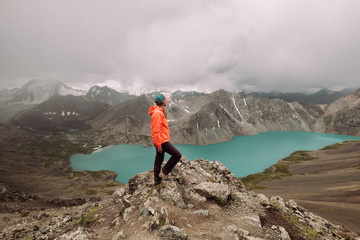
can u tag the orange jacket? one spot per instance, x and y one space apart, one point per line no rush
159 126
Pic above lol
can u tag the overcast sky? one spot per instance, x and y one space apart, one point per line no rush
204 45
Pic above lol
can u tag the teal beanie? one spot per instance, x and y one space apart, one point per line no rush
159 98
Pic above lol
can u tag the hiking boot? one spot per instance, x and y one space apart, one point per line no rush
157 183
164 177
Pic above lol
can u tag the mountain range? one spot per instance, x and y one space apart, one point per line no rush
38 91
210 118
107 95
51 96
194 117
323 96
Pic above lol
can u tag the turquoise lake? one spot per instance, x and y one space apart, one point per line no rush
243 155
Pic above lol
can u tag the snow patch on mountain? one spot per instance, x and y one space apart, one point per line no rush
37 91
64 90
233 99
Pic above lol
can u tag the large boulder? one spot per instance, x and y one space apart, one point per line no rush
169 232
218 192
172 193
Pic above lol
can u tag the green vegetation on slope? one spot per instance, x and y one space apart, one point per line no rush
89 218
276 171
328 119
337 145
55 149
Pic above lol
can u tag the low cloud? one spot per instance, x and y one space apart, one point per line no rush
200 45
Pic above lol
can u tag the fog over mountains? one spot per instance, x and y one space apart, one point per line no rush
324 96
38 91
194 117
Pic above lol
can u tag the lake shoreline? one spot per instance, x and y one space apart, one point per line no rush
40 166
243 155
328 184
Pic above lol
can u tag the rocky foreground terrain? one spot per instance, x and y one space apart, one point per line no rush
202 200
329 184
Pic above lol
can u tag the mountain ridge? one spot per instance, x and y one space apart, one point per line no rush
27 97
194 117
107 95
211 118
323 96
37 91
343 115
61 110
60 113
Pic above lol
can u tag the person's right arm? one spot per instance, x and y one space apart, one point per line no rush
156 126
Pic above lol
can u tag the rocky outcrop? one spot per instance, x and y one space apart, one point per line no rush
201 200
170 232
209 192
218 192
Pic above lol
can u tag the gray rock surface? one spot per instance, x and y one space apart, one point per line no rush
170 211
214 191
169 232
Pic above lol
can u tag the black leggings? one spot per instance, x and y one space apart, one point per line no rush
159 158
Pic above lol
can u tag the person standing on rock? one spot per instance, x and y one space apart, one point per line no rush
161 137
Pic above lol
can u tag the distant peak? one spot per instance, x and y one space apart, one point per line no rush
44 81
100 89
